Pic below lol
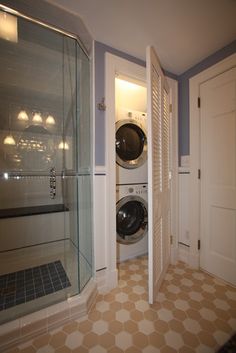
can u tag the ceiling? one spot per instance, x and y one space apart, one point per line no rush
183 32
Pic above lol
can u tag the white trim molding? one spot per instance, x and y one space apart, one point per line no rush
194 89
173 85
100 170
114 66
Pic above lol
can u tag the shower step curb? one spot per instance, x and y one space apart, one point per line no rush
42 321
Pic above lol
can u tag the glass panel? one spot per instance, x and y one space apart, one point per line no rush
32 209
45 179
85 230
68 150
83 111
71 232
68 146
31 92
84 170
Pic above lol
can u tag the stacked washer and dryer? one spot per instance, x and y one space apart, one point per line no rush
131 184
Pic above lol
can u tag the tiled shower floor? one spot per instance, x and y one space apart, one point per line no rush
32 283
194 313
31 257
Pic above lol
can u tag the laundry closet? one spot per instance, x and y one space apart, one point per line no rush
132 190
131 168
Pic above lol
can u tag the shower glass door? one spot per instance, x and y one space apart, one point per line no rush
45 181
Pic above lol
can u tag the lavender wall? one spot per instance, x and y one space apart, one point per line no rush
183 92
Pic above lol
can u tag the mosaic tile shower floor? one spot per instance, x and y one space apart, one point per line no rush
26 285
194 313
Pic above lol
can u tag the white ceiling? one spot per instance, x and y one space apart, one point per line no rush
184 32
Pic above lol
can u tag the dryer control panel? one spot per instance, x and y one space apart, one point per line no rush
137 116
136 189
140 190
124 113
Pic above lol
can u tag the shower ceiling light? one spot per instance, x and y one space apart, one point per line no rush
9 140
37 118
50 120
8 27
63 145
23 116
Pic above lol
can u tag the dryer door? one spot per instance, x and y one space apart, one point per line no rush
131 144
131 219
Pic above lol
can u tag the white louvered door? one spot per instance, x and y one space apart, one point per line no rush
166 176
158 174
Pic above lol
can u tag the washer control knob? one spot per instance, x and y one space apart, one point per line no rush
131 190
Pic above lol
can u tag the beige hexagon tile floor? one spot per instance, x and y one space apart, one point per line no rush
194 313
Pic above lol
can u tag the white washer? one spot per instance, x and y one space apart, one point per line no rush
131 147
131 221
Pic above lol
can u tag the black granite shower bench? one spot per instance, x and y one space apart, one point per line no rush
32 210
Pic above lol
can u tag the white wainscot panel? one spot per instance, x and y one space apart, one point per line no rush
100 238
184 207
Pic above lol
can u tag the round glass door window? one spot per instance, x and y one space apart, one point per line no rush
131 219
131 144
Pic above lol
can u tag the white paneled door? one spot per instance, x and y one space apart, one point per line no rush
218 175
158 173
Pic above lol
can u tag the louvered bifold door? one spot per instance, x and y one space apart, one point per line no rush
158 173
166 177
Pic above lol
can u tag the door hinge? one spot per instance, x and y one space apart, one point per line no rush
199 174
171 239
170 108
102 105
199 244
199 102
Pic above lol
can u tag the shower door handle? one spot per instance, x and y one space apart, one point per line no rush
52 183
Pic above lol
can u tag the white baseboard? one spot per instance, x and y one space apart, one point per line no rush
100 170
194 260
183 254
125 257
106 280
173 255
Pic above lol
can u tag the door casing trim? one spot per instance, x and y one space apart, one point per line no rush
195 161
114 66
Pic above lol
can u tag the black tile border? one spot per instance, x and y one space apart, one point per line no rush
32 210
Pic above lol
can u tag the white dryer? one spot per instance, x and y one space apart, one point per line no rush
131 147
131 221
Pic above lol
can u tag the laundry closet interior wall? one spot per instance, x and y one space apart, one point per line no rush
130 99
130 94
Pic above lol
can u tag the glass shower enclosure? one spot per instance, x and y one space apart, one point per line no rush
45 167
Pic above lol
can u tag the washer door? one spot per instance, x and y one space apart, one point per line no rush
131 219
131 144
